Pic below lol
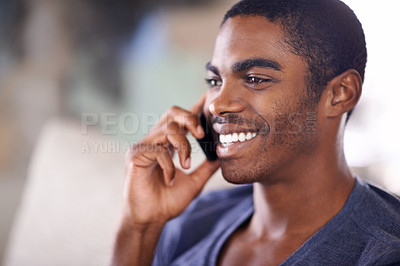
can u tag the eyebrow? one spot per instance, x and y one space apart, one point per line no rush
212 68
247 64
256 62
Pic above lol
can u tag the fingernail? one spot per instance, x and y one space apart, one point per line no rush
187 162
171 183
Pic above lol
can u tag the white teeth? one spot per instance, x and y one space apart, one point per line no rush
228 139
235 137
248 136
226 145
242 137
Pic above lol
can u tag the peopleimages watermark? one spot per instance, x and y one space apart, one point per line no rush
109 146
132 123
126 123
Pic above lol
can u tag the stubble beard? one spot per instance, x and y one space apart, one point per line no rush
282 144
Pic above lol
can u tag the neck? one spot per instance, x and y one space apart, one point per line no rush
314 189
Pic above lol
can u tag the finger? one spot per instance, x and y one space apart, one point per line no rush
175 138
180 143
186 120
203 172
165 161
146 156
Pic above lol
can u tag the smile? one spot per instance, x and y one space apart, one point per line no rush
234 144
228 139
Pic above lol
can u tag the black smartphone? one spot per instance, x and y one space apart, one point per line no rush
207 143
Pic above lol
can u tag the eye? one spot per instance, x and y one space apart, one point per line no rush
214 82
256 80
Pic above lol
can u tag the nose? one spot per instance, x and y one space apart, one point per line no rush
227 100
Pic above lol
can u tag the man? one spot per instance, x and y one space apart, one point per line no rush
289 72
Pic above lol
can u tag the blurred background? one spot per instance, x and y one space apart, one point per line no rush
71 72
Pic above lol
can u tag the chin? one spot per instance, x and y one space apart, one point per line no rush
235 173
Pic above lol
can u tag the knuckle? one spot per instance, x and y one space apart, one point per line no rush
172 111
152 148
175 108
188 119
135 150
172 128
140 148
132 156
177 113
161 148
171 124
193 121
131 151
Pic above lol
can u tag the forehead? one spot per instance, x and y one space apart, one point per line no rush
244 37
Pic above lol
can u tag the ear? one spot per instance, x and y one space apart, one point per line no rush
343 93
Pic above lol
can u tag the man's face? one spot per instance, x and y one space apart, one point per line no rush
257 88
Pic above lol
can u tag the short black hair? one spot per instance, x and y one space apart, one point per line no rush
326 33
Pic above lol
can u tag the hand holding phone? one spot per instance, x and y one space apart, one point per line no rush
157 191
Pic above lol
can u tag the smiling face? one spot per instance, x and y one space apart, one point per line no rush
257 102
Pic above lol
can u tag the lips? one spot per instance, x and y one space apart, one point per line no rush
233 139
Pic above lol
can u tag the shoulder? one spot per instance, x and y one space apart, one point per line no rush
377 216
377 208
365 232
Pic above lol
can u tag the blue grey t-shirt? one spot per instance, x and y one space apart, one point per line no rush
365 232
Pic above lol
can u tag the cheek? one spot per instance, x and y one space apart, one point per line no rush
293 127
